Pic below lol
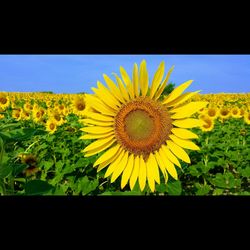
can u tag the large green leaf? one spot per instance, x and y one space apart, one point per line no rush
37 187
174 188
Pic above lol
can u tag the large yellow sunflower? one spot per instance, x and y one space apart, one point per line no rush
140 133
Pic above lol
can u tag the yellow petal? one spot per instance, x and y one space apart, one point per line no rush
106 96
99 106
100 117
94 136
114 165
127 171
113 88
163 85
177 92
150 173
155 169
182 98
99 149
95 122
135 80
161 165
187 110
142 174
178 151
97 129
168 164
170 156
117 172
184 133
188 123
135 172
143 78
157 79
127 80
107 155
123 90
184 143
106 163
98 143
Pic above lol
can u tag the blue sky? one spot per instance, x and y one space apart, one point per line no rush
78 73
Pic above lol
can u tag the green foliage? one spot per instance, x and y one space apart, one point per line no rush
221 167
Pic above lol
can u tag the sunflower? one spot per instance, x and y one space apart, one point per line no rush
140 133
224 113
235 112
247 118
4 101
31 161
208 124
79 106
51 125
212 112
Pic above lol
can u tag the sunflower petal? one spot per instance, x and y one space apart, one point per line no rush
99 106
98 143
95 136
187 110
117 172
188 123
157 79
184 143
177 92
182 98
142 174
95 122
106 163
127 80
99 149
97 129
135 172
107 155
113 88
170 156
150 173
184 133
127 171
135 80
99 117
161 165
178 151
163 85
113 166
123 90
106 96
143 78
168 164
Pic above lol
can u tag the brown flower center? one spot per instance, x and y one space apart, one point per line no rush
142 126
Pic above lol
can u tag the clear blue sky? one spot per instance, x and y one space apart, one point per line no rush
78 73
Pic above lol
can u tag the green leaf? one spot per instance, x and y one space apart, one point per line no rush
174 188
47 164
202 189
218 191
37 187
86 186
245 172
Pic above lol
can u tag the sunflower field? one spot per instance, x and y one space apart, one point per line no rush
122 141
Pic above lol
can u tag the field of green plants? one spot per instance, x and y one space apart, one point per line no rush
35 160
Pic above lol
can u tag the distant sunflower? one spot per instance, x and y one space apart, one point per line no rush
212 112
235 112
208 124
141 133
79 106
51 125
224 113
31 161
4 101
247 118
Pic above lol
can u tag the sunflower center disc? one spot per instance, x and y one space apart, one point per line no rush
142 126
139 125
